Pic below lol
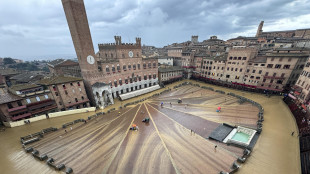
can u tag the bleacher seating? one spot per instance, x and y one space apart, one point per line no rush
304 143
304 135
305 162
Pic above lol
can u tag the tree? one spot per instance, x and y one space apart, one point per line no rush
25 66
45 69
8 60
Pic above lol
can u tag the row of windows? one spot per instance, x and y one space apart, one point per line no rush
120 82
248 70
271 81
31 91
206 67
171 74
237 58
275 74
66 92
64 85
125 67
37 98
112 55
235 63
305 73
278 66
256 64
302 84
76 100
213 74
236 69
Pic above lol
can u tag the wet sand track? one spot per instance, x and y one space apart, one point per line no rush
164 145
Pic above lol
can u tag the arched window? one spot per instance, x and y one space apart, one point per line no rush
120 82
115 83
154 65
118 68
144 65
145 77
107 69
134 66
124 67
149 65
113 69
139 66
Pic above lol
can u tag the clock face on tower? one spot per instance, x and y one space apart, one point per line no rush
130 54
90 59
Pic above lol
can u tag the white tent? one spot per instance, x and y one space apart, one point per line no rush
139 92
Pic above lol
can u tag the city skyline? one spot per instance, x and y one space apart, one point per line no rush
38 29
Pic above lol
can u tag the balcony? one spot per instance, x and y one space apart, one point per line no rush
19 108
40 104
21 116
44 109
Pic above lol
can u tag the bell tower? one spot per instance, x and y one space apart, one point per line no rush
260 29
81 37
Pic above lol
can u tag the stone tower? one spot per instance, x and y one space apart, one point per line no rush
80 33
194 39
260 29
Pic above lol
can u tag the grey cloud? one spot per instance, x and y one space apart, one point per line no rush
42 25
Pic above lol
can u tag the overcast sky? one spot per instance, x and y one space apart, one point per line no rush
37 29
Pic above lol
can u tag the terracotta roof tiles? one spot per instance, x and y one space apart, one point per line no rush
58 80
7 97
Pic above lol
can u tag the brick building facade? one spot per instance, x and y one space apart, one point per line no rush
117 68
25 101
62 67
168 74
275 70
68 92
301 90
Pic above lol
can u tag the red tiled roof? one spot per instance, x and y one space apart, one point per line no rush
7 97
1 79
68 63
58 80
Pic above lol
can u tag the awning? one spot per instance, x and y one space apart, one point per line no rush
266 88
293 97
297 93
21 116
139 92
17 108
